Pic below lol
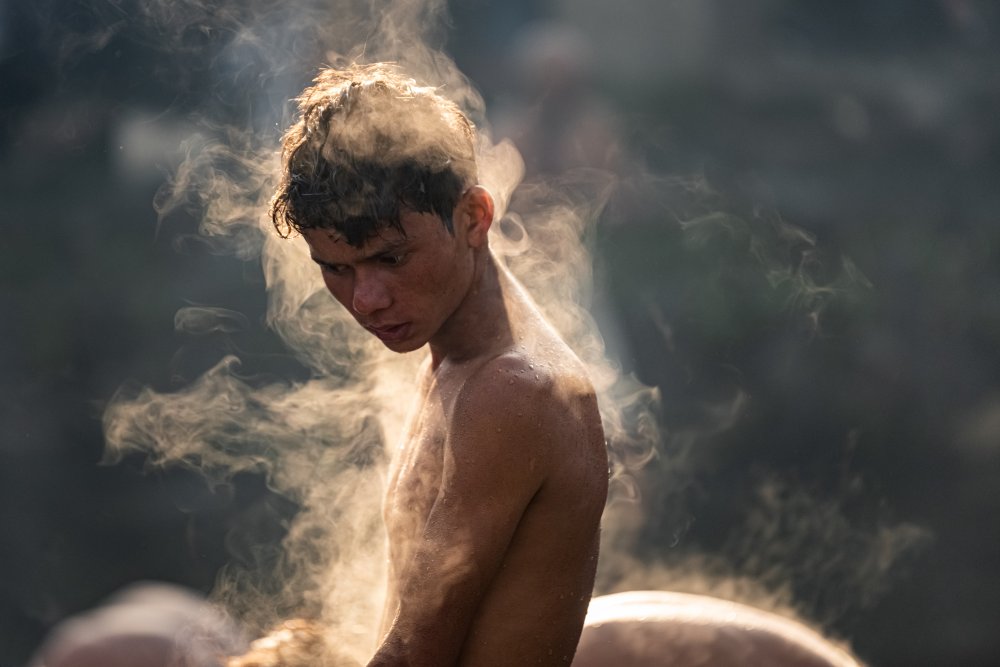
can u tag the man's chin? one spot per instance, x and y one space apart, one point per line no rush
404 346
406 342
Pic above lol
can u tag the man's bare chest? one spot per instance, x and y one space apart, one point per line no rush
415 470
420 458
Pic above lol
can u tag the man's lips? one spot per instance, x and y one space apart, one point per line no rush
391 333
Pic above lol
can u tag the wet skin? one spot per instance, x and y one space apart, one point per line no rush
496 490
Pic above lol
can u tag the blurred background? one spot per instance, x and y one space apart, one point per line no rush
801 252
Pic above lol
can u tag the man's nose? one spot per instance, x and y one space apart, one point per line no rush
370 294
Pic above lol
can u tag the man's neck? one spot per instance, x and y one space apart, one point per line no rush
480 325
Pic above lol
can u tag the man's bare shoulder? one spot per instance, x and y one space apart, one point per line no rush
516 377
535 404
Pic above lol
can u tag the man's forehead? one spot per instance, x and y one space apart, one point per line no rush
328 241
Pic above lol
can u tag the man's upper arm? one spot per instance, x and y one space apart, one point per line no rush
495 459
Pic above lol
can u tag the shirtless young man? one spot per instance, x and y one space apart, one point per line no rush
495 493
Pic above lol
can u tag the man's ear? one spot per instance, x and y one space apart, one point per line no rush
477 205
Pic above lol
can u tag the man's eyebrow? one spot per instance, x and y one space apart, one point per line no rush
387 247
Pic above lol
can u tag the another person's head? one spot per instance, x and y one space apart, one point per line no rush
146 624
369 144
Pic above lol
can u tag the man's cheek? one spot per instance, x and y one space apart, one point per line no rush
338 291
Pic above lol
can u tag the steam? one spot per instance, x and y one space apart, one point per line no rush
797 549
199 320
321 442
544 243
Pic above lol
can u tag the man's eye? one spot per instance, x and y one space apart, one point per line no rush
393 260
334 269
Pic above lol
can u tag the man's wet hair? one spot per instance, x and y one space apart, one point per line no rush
370 144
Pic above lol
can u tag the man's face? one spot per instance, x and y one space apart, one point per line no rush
400 287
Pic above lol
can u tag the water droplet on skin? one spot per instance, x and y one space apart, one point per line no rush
498 429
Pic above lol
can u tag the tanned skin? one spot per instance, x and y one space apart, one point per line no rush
496 490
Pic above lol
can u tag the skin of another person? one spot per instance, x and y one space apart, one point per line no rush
146 624
495 493
658 628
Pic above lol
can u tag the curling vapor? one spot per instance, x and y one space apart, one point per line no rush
321 442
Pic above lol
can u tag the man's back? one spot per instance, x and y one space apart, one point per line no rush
497 489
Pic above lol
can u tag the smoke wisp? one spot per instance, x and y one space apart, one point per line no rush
321 442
